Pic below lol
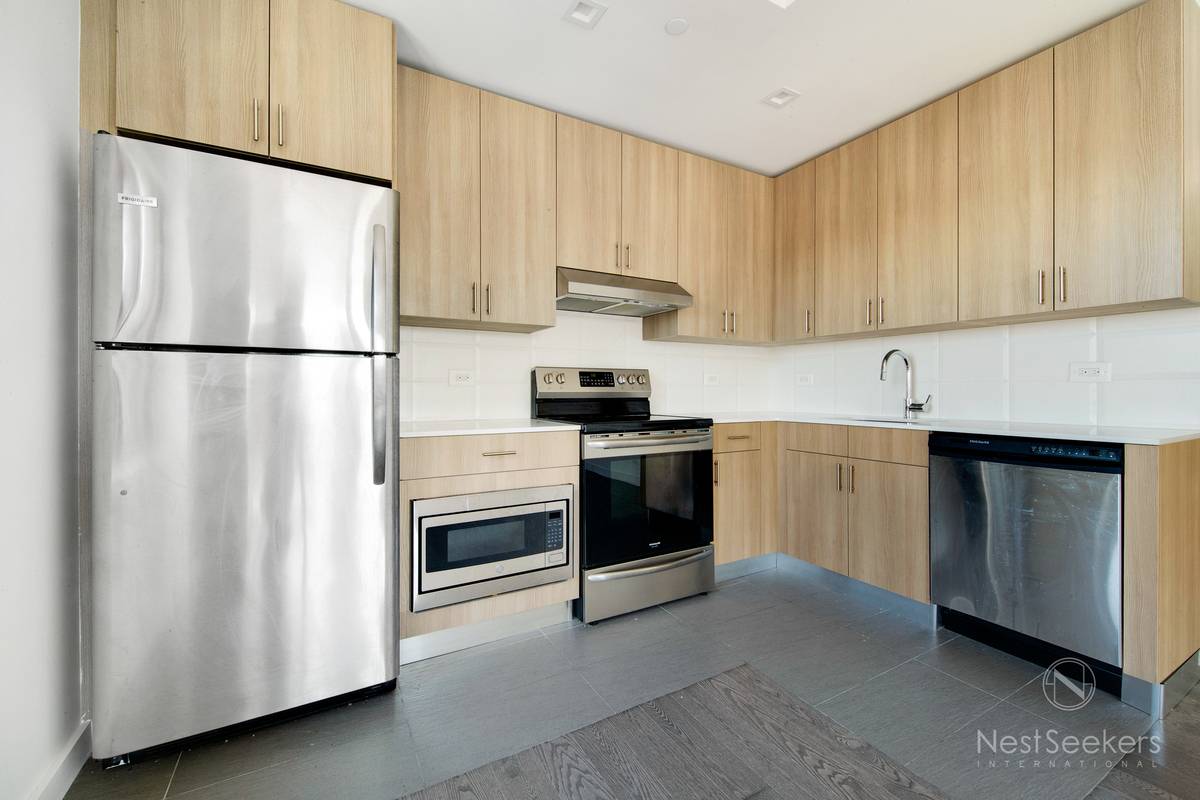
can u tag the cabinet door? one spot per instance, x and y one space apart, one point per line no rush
650 209
889 527
703 233
737 505
795 256
1118 156
332 67
589 196
749 276
437 176
817 510
517 225
1006 192
918 218
847 237
195 70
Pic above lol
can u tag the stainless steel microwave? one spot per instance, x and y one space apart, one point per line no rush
478 545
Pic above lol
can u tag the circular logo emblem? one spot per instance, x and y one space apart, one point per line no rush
1069 684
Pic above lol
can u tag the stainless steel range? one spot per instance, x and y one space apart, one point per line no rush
646 496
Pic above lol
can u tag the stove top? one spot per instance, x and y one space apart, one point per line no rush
602 400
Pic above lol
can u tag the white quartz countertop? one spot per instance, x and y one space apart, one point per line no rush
478 427
1082 433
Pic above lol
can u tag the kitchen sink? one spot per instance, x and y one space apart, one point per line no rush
891 420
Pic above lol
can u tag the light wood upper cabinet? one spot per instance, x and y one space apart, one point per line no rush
517 225
847 237
918 218
332 68
649 209
889 527
751 257
737 505
437 174
589 196
195 70
795 254
1006 192
817 509
1119 158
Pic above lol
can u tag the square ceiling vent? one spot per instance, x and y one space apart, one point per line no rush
585 13
781 97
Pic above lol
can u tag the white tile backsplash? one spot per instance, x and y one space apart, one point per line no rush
1018 372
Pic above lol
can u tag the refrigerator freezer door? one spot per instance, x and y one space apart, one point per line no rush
243 553
201 250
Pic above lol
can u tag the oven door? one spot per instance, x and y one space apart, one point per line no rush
475 546
645 495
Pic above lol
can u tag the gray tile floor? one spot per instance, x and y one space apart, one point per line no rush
921 696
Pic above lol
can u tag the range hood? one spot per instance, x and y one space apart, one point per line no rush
621 295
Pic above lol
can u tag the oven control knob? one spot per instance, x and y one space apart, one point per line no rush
620 379
548 378
560 378
641 379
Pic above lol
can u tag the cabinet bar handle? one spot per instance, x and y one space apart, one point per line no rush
618 261
733 321
716 473
488 307
869 316
851 479
501 453
280 125
725 321
1062 284
839 477
256 119
1041 287
627 257
880 309
474 297
737 438
808 320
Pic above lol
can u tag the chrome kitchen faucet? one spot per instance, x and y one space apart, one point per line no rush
910 405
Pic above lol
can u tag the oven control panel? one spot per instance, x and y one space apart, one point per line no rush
578 382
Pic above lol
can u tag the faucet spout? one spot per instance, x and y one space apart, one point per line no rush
910 404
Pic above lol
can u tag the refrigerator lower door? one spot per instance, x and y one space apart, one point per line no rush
202 250
244 549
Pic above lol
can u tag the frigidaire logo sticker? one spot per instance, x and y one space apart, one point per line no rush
137 200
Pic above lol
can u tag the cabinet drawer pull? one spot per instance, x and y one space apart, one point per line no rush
256 119
839 477
501 453
280 140
738 437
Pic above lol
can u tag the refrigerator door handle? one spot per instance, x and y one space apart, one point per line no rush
379 404
379 288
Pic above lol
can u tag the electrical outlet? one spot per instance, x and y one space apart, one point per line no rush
805 380
1091 372
462 377
711 379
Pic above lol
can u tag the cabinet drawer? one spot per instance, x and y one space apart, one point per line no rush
811 438
732 437
442 456
890 444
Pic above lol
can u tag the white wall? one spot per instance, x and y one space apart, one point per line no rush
1018 372
39 617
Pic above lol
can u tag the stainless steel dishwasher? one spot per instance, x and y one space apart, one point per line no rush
1026 534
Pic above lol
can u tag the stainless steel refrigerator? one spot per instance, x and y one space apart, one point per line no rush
243 459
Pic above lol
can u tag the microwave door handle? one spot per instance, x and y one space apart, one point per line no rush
379 394
379 288
700 555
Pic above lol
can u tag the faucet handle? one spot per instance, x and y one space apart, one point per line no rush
921 406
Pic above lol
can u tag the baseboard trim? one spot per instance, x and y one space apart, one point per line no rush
74 757
746 566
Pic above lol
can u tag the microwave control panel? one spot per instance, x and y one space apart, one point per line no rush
555 552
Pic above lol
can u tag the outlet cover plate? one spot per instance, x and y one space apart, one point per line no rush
462 377
1091 372
711 379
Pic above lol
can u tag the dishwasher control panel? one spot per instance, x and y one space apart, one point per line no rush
1050 451
1077 451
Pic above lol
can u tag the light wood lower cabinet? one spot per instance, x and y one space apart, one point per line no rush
817 509
737 505
888 536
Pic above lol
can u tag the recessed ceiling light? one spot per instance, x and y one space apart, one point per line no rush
677 26
782 3
586 13
782 97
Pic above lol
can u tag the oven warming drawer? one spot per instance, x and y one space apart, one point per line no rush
610 591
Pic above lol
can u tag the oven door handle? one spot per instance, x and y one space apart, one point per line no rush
647 441
700 555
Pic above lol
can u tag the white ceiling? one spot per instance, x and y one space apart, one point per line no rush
856 63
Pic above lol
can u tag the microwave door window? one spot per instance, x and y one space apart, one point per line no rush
470 544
